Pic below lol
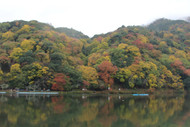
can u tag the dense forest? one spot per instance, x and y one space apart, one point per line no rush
36 56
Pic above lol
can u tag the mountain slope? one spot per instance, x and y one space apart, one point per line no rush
164 24
35 55
168 48
72 33
33 52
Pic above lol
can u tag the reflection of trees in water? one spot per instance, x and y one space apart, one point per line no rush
107 114
23 111
3 98
88 112
151 111
184 119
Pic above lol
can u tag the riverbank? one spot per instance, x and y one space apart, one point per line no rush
128 91
163 92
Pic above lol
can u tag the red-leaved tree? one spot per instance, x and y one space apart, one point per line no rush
187 72
106 72
60 81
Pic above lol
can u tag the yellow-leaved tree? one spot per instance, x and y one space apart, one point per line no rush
16 53
8 36
27 45
89 74
38 76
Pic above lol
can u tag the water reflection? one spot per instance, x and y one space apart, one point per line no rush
94 111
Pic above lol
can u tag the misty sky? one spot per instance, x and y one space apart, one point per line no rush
93 16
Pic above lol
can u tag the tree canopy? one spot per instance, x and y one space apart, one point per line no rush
36 55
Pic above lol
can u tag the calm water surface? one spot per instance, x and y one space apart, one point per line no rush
94 111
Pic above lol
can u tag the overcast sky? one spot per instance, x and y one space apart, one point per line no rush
93 16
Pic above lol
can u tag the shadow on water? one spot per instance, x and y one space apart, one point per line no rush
94 111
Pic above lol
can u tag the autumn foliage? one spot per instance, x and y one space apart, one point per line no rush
37 56
107 71
60 81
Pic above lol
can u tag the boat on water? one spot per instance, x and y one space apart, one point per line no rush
140 94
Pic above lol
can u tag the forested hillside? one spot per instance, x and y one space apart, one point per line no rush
35 55
72 33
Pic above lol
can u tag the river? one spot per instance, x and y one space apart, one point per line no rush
94 111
